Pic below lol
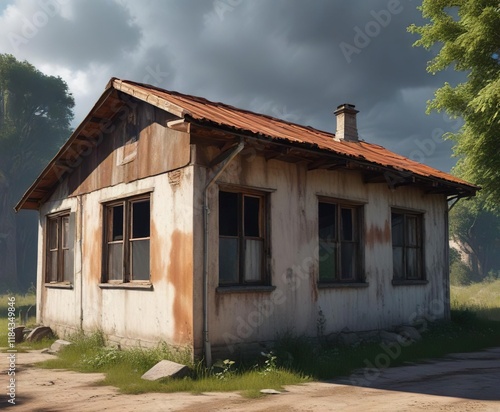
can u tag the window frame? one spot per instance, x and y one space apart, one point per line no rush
264 226
358 232
62 240
126 240
405 246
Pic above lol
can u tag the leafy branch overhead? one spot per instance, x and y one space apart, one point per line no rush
468 35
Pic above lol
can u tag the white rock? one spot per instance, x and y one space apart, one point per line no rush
270 391
166 369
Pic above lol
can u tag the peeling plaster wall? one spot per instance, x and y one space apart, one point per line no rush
295 304
125 315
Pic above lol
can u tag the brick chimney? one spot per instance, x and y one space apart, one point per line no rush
346 123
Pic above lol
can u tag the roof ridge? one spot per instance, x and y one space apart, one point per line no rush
224 105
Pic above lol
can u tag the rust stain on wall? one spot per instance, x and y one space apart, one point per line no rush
156 252
378 235
180 275
92 255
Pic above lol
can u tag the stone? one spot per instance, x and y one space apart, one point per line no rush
58 345
390 337
18 334
270 391
372 336
409 332
166 369
40 332
332 338
349 339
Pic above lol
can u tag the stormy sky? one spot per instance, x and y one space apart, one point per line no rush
292 59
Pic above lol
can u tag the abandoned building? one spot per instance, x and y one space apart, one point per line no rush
170 218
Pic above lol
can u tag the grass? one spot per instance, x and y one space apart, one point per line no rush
23 303
482 298
124 369
475 325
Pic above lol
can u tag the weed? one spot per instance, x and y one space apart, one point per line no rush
270 364
225 369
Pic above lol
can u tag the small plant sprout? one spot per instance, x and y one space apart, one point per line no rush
226 369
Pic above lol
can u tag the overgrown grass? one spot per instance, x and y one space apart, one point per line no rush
481 298
24 303
124 368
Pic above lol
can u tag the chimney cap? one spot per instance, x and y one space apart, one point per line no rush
346 106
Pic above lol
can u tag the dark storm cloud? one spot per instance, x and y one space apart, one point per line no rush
73 33
293 59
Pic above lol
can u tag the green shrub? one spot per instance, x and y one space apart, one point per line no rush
460 274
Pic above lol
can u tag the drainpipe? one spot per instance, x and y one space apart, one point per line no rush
206 212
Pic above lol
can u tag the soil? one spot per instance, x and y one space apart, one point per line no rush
459 382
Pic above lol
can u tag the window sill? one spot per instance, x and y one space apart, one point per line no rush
245 289
127 286
409 282
59 285
343 285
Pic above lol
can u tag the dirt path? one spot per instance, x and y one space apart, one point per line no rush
463 382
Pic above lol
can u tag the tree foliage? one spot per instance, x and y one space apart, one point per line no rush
476 233
468 34
35 116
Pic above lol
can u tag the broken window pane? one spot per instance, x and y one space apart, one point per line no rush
253 260
140 219
228 214
251 216
140 259
228 260
327 213
117 223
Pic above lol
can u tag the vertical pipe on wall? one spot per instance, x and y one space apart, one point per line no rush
206 212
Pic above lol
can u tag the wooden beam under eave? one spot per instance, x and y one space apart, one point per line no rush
87 142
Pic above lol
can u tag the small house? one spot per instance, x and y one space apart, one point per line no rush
170 218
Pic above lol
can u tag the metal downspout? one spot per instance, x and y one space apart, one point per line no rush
206 212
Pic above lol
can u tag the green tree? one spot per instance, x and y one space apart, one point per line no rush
468 35
35 116
476 233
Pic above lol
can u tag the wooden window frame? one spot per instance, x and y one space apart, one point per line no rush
357 241
126 241
419 247
241 237
62 244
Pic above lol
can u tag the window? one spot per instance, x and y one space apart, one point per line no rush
242 238
59 257
407 245
339 241
127 225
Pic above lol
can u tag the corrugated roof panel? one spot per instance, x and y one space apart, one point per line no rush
220 113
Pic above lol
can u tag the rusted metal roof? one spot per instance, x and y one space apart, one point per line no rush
197 109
